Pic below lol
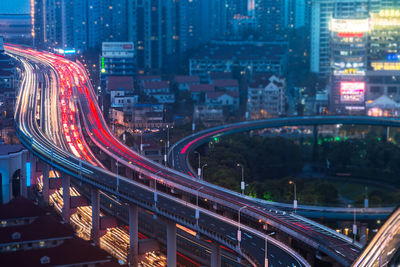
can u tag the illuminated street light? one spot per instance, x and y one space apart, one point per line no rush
197 212
295 195
242 184
202 171
165 151
199 168
118 173
239 232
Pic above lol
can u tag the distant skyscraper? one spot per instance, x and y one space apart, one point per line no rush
152 29
296 13
51 20
189 24
270 17
38 27
115 20
79 24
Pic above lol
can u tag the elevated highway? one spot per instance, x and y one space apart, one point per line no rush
165 192
178 157
384 246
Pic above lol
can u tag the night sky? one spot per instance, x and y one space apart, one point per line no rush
14 6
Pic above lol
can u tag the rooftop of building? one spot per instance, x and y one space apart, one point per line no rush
383 102
220 75
42 228
149 77
186 79
215 95
156 85
226 83
242 51
120 83
261 80
19 208
10 149
201 88
72 252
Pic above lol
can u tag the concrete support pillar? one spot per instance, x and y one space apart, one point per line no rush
22 184
95 197
171 244
363 234
386 134
33 168
45 190
315 143
133 236
215 255
66 182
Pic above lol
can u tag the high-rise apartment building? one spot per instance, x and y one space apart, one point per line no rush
152 27
348 55
115 20
79 24
189 24
270 17
297 13
322 13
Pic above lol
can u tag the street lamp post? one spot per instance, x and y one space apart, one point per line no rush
165 151
242 184
354 226
295 196
199 168
239 232
141 141
266 250
155 192
118 173
202 171
197 212
168 136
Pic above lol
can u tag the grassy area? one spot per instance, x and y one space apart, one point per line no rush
350 192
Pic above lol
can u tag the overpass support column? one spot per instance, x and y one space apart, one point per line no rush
215 255
95 196
45 190
66 182
171 244
133 236
23 182
363 233
33 177
315 143
386 133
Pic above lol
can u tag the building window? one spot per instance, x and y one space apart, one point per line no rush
375 89
392 89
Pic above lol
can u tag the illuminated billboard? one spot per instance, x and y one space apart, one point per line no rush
384 65
386 18
344 26
352 92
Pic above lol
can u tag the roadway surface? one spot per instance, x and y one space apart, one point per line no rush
178 157
166 204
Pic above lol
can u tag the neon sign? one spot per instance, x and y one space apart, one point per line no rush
349 25
352 92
